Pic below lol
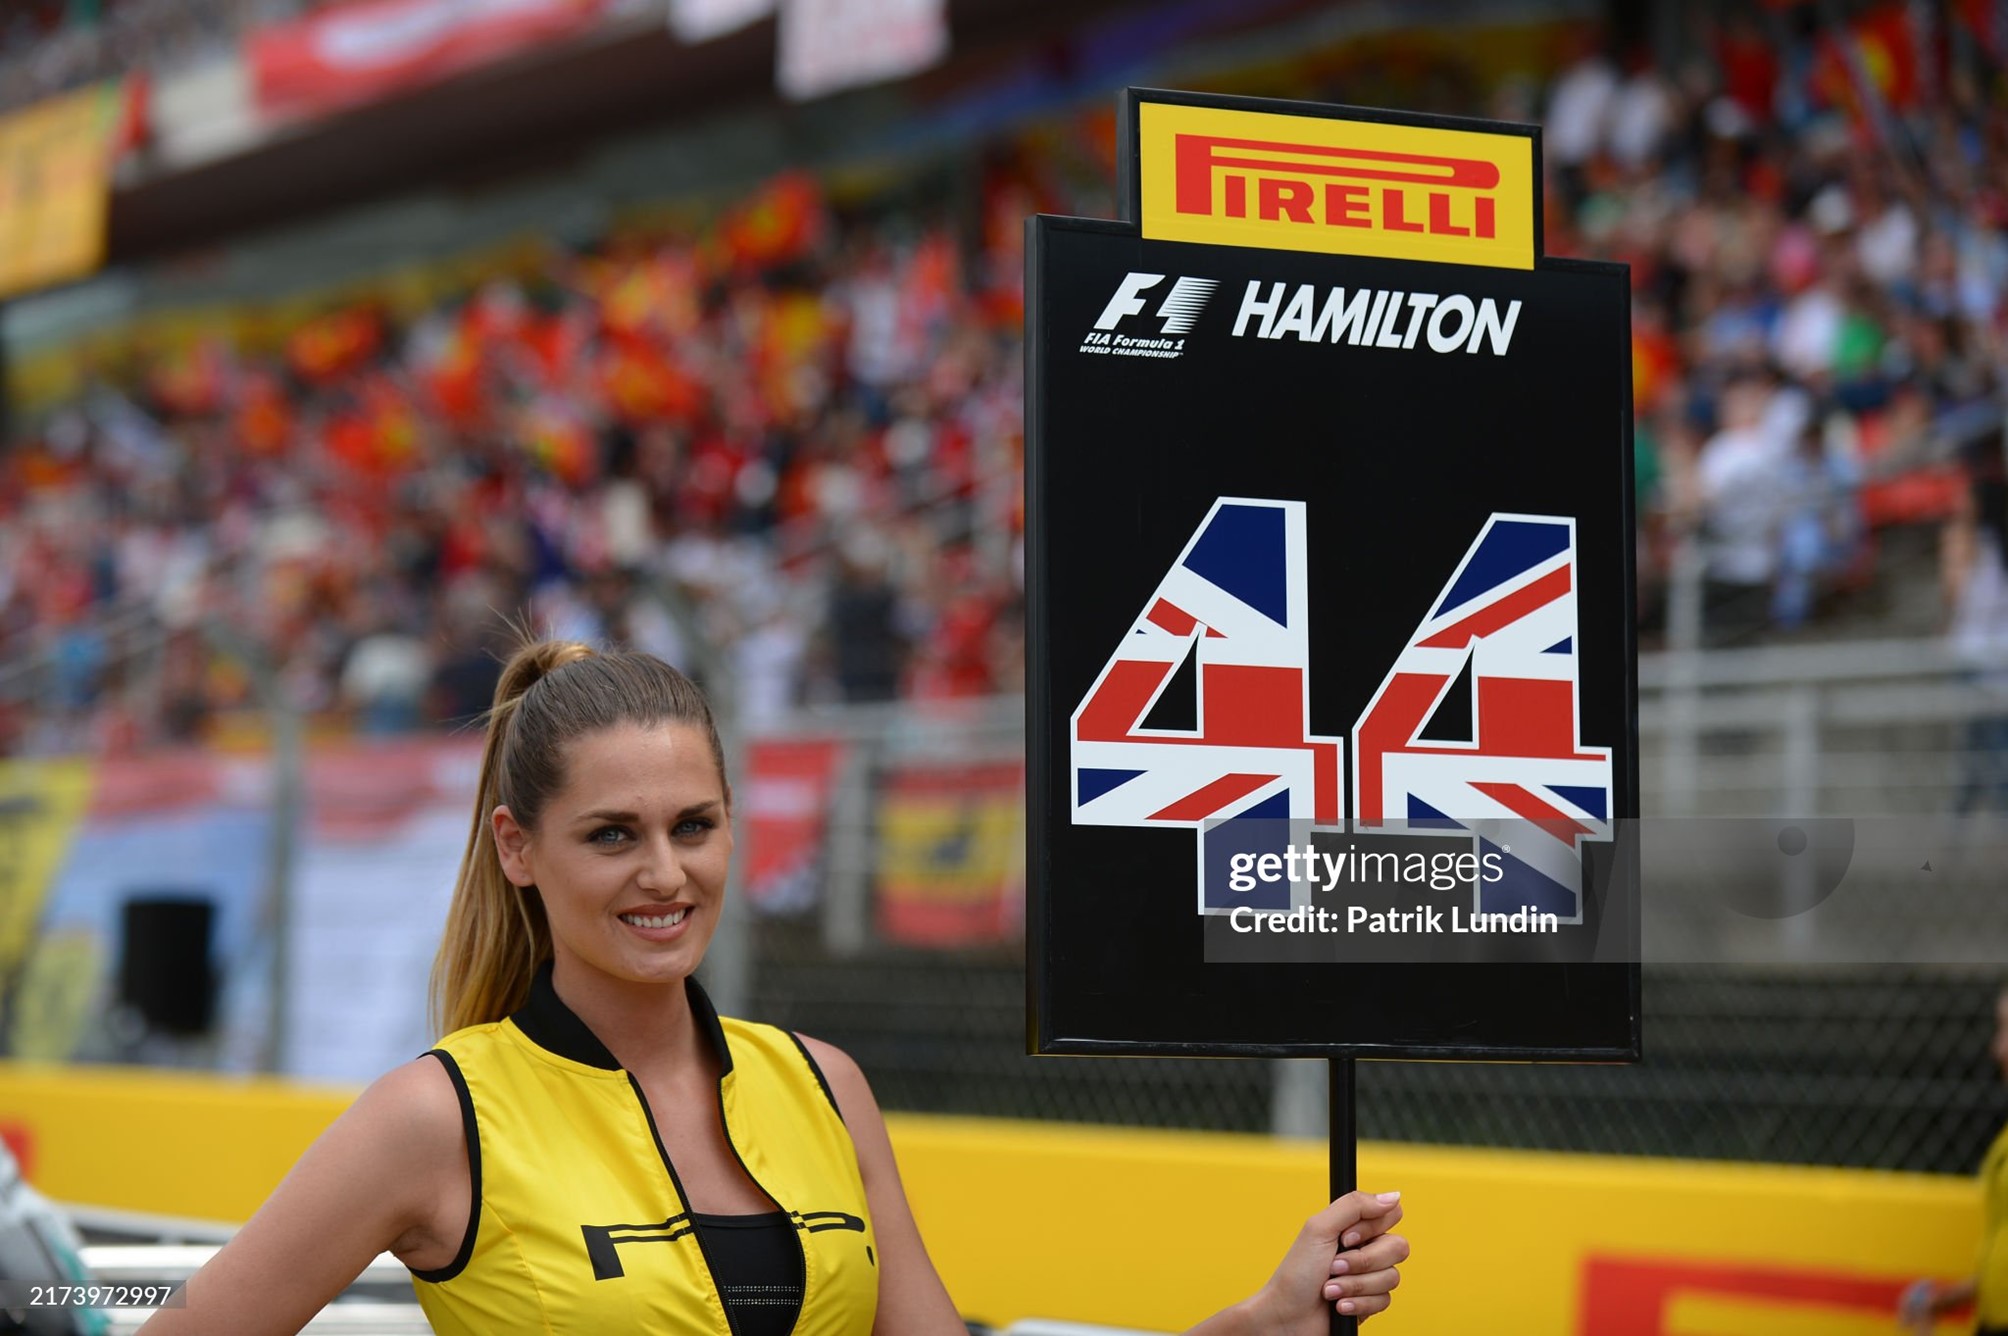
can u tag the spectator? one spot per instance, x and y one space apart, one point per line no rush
863 626
767 662
1745 479
1820 531
1975 555
385 677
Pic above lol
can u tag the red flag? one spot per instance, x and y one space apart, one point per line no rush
379 435
787 808
190 379
322 350
265 418
783 222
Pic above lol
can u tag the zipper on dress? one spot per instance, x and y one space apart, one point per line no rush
703 1253
726 1127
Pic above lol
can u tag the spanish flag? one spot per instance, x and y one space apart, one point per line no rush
951 865
1885 42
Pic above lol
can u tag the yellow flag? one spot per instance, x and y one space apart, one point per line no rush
41 805
55 186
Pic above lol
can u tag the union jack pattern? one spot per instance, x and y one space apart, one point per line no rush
1235 601
1509 611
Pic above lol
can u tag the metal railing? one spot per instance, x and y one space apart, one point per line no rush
363 1310
1879 1066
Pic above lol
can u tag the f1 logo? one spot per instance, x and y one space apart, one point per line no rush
1181 305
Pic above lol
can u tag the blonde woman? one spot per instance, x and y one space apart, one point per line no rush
591 1148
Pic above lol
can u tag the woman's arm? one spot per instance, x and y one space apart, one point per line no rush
913 1299
911 1296
377 1179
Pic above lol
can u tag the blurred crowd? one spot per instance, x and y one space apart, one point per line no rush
783 451
785 447
1816 218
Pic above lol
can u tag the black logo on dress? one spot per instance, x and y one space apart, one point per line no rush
603 1242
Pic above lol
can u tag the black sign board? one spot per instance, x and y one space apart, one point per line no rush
1332 666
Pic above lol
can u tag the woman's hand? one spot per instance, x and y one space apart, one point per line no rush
1344 1255
1925 1301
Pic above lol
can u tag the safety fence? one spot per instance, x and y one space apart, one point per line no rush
882 874
1795 1059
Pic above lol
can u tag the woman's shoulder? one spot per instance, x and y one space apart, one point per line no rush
840 1076
401 1138
417 1102
828 1056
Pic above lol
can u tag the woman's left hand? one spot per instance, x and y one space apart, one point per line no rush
1344 1255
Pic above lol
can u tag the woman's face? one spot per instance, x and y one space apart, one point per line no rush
630 855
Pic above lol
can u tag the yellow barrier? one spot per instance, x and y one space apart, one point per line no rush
168 1143
1157 1229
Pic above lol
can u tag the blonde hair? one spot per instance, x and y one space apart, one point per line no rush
550 692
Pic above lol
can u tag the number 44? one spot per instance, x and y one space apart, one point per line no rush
1236 603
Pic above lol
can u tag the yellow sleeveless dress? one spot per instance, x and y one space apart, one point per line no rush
580 1225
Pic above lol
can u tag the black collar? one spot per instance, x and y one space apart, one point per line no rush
549 1024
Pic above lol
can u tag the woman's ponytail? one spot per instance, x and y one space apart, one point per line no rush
496 933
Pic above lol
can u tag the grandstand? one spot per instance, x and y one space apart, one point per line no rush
599 326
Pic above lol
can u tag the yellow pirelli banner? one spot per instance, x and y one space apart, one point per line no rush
1155 1229
1342 184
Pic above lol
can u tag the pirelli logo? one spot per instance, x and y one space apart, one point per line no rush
1308 183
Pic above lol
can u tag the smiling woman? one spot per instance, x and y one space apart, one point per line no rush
591 1147
633 854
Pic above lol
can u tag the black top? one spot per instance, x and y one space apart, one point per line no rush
756 1262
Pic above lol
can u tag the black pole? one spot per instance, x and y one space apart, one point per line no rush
1345 1161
